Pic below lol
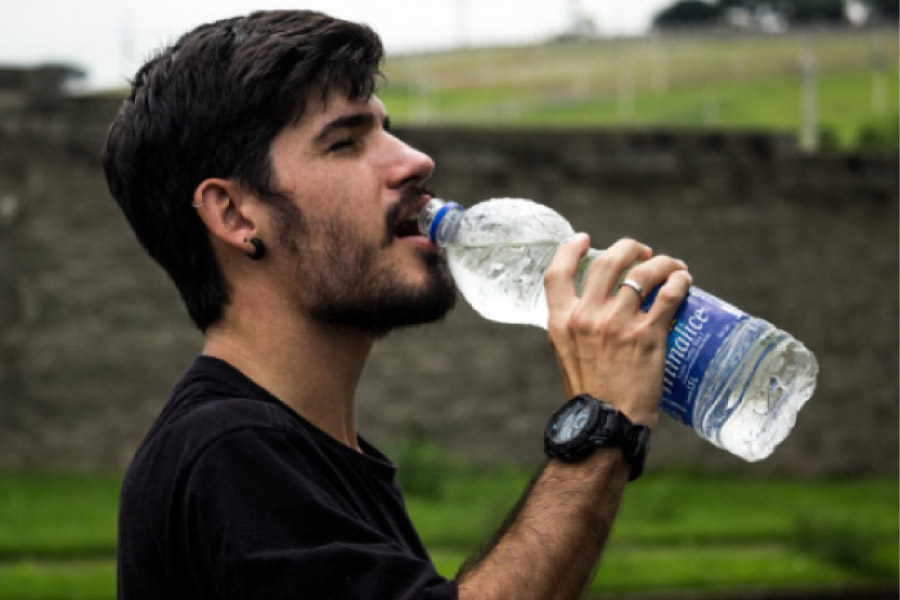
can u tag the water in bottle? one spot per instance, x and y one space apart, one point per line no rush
737 380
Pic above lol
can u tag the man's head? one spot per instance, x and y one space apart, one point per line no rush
211 106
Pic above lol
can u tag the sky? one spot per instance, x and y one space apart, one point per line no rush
109 39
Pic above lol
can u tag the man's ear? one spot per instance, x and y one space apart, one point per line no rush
229 212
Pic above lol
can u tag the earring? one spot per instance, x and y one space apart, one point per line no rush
259 249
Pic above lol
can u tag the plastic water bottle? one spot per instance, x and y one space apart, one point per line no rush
737 380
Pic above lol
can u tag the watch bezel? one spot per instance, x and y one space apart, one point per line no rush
585 440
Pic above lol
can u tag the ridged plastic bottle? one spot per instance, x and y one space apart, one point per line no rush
737 380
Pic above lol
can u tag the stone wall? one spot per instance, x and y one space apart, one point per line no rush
807 242
92 334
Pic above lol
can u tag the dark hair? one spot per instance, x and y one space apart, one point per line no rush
209 106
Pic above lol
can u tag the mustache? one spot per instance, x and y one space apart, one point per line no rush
410 195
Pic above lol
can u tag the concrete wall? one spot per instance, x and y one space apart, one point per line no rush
92 334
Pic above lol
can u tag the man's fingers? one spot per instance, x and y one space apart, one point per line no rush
670 297
609 266
559 276
645 277
560 291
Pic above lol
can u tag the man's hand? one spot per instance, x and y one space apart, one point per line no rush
605 345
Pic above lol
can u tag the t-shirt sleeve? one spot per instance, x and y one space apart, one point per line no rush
257 526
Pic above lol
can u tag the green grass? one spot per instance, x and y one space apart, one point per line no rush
58 536
679 530
57 515
676 530
719 81
772 104
717 568
58 580
707 569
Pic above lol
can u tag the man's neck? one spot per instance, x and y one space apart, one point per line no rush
311 367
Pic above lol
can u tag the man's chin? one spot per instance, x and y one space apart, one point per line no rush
430 304
397 306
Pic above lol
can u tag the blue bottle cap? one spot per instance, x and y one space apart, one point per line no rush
438 217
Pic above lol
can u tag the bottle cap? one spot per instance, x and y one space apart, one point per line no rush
442 212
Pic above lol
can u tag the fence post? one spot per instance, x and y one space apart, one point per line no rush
809 135
626 108
879 80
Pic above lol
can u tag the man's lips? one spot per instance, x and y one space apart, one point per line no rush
419 241
413 208
408 233
404 217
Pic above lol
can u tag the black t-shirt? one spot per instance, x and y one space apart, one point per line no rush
234 495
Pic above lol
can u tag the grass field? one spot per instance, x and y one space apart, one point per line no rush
677 531
730 81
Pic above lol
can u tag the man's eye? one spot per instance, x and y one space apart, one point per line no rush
342 144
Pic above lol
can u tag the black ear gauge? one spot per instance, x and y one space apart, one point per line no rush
259 249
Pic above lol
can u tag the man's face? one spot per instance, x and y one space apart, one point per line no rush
348 233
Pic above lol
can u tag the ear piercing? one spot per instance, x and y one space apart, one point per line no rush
259 249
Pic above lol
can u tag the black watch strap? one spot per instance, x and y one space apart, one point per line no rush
635 445
606 427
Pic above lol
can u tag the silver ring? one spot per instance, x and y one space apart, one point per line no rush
635 286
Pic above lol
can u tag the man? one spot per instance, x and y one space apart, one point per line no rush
257 166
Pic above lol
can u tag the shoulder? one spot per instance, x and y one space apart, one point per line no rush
202 421
215 416
192 429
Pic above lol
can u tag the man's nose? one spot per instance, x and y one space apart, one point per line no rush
409 165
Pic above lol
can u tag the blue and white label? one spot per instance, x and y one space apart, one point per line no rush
700 326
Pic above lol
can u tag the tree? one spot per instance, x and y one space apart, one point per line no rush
804 12
796 12
687 13
886 9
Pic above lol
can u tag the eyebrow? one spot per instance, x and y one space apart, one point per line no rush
353 121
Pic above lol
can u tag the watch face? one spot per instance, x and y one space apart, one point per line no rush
571 422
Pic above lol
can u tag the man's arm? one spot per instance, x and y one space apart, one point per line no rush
607 347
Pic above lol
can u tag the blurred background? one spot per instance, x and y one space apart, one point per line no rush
758 140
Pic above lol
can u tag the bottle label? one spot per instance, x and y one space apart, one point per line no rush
700 326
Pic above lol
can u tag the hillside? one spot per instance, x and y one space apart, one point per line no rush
677 80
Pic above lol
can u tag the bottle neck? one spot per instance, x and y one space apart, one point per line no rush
439 220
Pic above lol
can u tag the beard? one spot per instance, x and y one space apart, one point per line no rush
347 285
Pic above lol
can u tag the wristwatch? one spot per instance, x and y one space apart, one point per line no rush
584 424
